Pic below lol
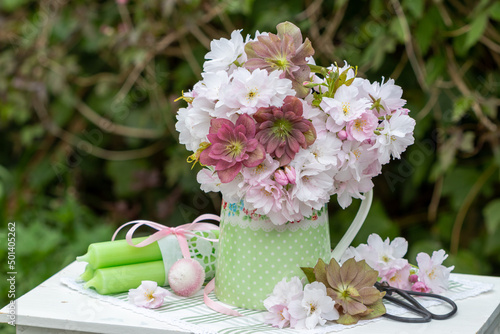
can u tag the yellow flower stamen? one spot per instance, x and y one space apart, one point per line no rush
188 99
346 108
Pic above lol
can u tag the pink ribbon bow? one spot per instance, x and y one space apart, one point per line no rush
180 232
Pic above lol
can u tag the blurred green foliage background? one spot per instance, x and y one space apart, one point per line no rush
87 118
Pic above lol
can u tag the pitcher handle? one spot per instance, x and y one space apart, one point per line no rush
348 237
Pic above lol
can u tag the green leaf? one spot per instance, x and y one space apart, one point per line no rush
11 5
491 214
377 8
467 144
461 106
457 184
476 30
378 309
494 11
309 272
347 319
415 7
396 29
425 32
320 272
435 67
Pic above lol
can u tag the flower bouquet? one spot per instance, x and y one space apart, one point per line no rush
278 135
282 134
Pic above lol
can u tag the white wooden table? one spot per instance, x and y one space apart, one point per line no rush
53 308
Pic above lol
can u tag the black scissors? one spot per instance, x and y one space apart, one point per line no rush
413 305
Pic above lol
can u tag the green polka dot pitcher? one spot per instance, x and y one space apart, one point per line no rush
254 254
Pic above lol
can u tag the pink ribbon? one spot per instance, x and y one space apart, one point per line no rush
214 305
180 232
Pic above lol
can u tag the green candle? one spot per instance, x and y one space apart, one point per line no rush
119 252
120 279
88 273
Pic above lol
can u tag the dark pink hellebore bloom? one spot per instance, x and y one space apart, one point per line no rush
232 147
283 131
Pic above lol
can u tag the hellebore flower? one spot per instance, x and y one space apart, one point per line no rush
283 131
232 147
352 288
285 51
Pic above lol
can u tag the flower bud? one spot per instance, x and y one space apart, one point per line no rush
290 174
413 278
420 287
342 134
280 177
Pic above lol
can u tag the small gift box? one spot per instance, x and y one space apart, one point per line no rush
119 265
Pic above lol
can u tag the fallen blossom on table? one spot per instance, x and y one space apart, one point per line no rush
148 295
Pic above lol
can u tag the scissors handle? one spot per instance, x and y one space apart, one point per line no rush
413 305
425 315
435 316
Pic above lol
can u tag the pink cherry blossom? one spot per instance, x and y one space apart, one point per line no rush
148 295
278 316
386 96
362 128
397 134
224 52
247 91
267 198
383 255
284 292
344 107
314 308
399 278
431 271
